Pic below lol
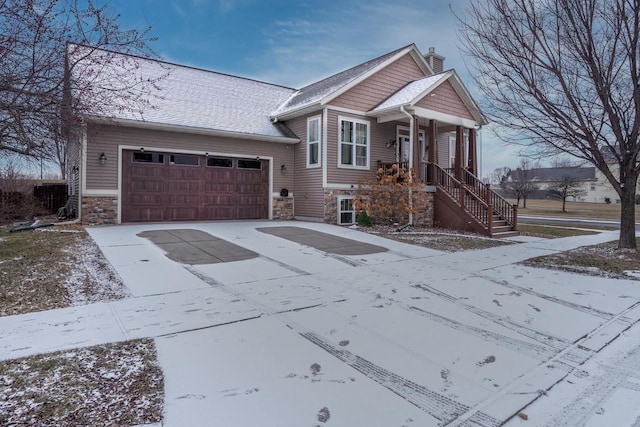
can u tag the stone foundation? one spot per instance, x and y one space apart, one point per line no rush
424 218
99 210
282 208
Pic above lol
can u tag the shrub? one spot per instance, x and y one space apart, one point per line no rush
389 198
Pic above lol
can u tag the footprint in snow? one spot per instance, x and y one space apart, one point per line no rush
534 307
487 360
315 369
324 415
496 302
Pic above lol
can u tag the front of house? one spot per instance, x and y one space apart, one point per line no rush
220 147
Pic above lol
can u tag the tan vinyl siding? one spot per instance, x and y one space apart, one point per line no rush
380 135
307 190
444 99
107 139
384 83
443 149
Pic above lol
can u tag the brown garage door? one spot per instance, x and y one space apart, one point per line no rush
182 187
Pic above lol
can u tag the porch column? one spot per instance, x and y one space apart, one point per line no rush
459 154
472 164
432 140
417 158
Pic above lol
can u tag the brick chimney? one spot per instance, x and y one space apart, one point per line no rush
434 60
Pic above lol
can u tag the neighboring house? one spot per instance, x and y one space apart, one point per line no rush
592 182
219 147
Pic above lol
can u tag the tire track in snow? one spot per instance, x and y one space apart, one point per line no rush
589 310
538 351
439 406
545 339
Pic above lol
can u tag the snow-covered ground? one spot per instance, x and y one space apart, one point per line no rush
407 337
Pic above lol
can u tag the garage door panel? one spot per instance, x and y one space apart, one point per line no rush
186 192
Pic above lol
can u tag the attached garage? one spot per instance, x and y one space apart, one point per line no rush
164 186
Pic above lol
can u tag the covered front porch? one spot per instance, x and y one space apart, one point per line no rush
437 140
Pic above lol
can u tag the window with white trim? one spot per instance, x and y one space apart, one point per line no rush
354 143
346 210
313 141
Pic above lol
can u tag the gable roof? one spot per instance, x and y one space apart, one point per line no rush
557 174
413 92
191 98
323 91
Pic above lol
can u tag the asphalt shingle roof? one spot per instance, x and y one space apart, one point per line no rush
191 97
315 92
410 93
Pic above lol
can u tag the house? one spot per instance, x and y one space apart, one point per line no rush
212 146
592 183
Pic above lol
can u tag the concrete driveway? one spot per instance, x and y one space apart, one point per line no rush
306 334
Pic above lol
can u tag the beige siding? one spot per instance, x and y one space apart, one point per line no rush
380 135
444 99
107 139
381 85
307 190
443 149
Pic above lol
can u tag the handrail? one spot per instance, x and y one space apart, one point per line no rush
501 206
475 197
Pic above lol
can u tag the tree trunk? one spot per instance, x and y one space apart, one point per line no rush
628 214
564 204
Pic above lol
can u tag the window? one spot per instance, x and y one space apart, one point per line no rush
219 162
313 141
249 164
139 157
346 211
185 159
354 143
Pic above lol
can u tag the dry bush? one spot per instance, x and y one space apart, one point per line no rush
390 196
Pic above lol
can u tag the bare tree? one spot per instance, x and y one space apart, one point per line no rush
38 101
521 182
499 175
564 77
564 188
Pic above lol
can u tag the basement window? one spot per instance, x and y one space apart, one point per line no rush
346 210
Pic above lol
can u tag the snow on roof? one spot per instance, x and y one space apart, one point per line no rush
315 92
412 92
186 96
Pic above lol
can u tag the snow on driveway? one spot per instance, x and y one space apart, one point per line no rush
407 337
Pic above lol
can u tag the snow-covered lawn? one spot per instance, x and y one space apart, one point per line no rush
113 384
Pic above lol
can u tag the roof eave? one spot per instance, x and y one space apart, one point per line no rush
409 49
190 129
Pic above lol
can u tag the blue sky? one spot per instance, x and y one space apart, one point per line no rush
294 43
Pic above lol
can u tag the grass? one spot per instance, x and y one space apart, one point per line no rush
113 384
552 232
53 268
437 239
553 208
604 260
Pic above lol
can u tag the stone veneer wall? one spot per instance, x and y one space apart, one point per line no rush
422 219
282 208
99 210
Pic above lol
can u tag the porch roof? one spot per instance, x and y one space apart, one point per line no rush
407 97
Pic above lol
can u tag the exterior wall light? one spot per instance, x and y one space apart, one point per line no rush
283 169
102 158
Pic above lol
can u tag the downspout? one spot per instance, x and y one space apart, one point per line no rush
411 131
